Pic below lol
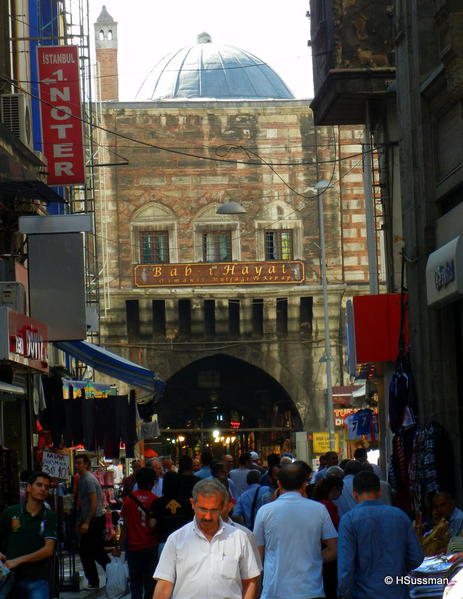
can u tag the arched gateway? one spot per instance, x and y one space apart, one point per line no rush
229 405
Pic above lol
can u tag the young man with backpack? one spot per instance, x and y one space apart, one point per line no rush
138 536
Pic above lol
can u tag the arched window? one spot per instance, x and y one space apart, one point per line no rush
154 235
216 236
279 232
101 35
110 35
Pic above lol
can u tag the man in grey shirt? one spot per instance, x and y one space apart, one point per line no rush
91 522
239 475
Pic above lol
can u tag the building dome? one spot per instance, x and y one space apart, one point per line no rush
208 70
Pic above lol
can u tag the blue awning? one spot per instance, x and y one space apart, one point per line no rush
111 364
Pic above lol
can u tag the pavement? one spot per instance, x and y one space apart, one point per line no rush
88 594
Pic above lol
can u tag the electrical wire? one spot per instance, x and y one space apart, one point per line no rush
181 153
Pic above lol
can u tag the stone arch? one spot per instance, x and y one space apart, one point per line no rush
281 373
153 211
153 218
277 210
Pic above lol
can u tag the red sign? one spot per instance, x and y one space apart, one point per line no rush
27 340
61 113
377 327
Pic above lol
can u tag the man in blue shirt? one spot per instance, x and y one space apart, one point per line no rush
444 506
330 458
346 501
250 501
206 461
289 533
377 546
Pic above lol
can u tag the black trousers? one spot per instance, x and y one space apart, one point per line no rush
142 565
91 550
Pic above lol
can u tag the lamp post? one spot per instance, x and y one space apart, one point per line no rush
321 187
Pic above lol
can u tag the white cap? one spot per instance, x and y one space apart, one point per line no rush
254 455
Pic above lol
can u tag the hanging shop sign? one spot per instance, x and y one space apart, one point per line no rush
220 273
61 113
23 340
321 442
444 273
56 464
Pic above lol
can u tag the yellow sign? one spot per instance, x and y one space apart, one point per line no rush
321 442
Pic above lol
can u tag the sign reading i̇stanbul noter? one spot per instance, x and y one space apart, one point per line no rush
219 273
61 113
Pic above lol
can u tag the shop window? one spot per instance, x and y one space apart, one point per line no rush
279 244
217 246
159 318
282 317
184 317
234 318
209 318
257 317
132 316
154 247
305 315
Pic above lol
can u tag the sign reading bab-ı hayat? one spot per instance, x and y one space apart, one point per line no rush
219 273
56 464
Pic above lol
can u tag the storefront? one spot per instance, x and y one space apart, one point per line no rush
23 360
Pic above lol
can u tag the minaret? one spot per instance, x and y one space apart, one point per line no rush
106 56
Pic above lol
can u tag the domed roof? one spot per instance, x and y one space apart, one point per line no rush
207 70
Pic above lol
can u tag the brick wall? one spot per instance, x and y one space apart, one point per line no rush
108 84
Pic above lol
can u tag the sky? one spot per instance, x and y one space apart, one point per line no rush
275 31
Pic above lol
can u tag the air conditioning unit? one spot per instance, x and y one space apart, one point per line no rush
13 295
15 115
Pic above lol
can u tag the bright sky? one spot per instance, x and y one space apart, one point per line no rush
276 32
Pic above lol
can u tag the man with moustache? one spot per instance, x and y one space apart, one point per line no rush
28 537
207 558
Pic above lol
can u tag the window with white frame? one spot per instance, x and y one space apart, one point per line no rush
216 236
279 232
154 235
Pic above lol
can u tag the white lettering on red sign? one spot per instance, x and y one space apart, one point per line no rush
29 344
61 113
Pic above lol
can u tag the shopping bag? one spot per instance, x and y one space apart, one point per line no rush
6 584
117 578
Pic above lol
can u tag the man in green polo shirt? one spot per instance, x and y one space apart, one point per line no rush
28 537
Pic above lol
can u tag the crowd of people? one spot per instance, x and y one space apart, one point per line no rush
210 529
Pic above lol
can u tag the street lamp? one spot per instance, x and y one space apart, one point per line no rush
321 187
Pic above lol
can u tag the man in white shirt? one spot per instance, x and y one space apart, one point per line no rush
207 558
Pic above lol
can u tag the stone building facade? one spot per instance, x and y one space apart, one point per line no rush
228 308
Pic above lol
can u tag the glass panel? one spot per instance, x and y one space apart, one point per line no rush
270 245
163 248
286 245
216 246
224 246
154 247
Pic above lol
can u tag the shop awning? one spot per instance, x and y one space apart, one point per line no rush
8 388
111 364
32 190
